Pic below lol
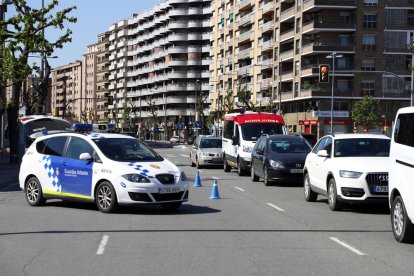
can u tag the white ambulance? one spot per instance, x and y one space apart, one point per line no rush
240 133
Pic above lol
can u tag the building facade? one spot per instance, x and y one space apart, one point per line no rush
363 42
67 91
96 80
159 63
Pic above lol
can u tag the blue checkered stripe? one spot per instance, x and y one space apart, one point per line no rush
141 170
51 173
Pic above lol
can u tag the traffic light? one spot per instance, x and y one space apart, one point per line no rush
324 73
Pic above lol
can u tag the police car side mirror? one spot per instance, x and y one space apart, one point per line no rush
323 153
85 156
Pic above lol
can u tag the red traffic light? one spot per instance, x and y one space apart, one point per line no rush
324 73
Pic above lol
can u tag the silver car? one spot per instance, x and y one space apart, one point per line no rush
206 150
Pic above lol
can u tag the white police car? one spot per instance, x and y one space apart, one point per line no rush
105 168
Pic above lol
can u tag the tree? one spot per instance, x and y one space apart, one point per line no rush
244 97
24 33
228 104
365 112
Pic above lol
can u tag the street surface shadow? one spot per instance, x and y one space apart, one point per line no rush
361 208
153 209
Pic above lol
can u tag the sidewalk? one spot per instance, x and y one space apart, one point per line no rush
9 177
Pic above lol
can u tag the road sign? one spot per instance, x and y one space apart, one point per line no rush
197 124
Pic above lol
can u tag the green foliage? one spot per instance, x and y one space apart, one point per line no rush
365 112
153 109
244 97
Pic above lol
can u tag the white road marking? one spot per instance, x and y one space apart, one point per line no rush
238 188
353 249
101 248
184 155
274 206
170 155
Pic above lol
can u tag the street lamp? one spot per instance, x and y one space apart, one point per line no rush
333 56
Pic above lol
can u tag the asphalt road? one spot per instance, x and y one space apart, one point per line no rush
251 230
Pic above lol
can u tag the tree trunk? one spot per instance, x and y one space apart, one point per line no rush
12 116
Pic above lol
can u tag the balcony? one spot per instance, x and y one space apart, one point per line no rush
243 4
267 46
245 19
317 48
287 14
313 26
287 35
245 53
399 3
310 5
267 26
269 7
286 76
245 36
287 55
246 70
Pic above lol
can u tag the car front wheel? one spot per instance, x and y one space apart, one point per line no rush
402 228
106 198
333 202
266 180
226 166
310 195
255 178
33 192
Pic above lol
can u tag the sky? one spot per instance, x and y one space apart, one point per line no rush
94 17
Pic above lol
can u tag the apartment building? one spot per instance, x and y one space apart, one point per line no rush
96 80
366 39
67 91
160 62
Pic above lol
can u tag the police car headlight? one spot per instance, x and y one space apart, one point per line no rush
204 154
183 177
136 178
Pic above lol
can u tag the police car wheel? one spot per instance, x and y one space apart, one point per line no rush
170 206
106 198
33 192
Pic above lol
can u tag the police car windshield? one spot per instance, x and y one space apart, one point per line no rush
126 150
252 132
362 147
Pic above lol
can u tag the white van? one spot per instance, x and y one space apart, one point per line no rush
240 133
401 186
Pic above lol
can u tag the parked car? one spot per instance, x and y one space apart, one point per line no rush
190 139
174 140
311 138
348 168
401 196
279 158
206 150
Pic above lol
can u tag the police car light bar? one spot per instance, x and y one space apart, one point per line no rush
82 127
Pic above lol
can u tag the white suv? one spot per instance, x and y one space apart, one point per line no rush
348 168
401 172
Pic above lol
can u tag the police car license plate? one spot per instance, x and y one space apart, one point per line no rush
168 190
381 189
296 170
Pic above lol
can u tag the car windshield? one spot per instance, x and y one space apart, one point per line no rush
46 124
251 132
210 143
126 150
361 147
288 145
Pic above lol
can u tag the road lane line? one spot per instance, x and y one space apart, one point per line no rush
238 188
274 206
183 155
353 249
101 248
170 155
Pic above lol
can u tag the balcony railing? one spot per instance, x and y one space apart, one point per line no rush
308 4
337 25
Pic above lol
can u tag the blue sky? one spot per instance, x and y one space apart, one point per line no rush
94 17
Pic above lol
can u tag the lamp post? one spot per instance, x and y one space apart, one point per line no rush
333 56
196 114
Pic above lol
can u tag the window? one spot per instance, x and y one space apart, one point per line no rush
78 146
367 88
369 42
344 40
370 2
319 145
345 17
343 63
410 18
228 129
404 130
368 65
54 146
370 21
328 145
340 106
342 85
